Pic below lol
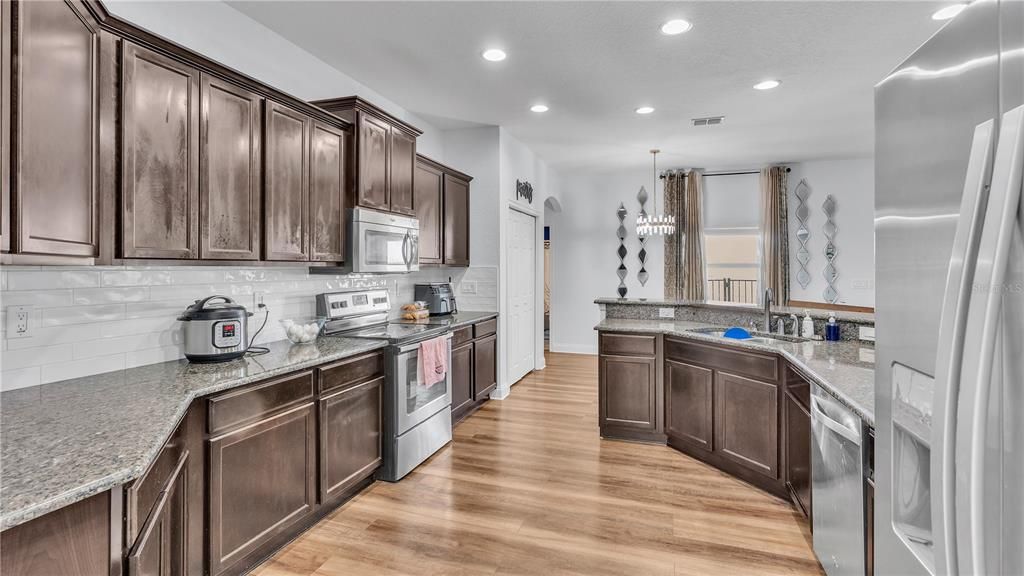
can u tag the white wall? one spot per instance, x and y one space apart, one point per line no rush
220 32
476 151
851 182
583 253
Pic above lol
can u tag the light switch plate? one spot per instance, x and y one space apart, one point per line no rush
866 333
666 312
17 321
469 287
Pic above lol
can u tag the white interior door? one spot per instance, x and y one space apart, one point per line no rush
522 270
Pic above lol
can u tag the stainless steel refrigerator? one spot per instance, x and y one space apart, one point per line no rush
949 233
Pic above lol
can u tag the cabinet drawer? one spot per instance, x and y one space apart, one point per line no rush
741 362
628 344
351 371
462 335
247 405
485 328
799 388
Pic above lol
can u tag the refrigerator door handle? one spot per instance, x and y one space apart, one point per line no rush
950 348
980 338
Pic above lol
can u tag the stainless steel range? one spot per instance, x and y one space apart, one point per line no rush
417 418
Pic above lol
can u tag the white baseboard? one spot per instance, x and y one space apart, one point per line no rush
573 348
500 393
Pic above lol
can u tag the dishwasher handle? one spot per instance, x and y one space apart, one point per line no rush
821 409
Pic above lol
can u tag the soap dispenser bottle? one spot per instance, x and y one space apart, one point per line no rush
832 329
808 329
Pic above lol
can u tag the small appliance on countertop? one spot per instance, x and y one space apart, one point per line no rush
215 331
439 296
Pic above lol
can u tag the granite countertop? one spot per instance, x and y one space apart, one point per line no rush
453 321
844 369
820 313
63 442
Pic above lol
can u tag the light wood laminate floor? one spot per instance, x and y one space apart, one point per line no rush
528 487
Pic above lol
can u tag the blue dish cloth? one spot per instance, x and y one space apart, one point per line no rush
737 333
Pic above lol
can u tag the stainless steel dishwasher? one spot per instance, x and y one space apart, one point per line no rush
837 484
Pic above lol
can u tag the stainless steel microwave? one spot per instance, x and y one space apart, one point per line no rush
382 242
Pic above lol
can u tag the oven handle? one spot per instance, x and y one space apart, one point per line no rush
410 347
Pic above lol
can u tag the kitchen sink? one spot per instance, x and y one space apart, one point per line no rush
756 337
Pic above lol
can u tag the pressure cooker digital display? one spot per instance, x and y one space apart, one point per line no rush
225 334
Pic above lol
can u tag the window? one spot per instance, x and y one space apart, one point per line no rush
732 238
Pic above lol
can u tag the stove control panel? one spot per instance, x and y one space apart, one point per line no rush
340 305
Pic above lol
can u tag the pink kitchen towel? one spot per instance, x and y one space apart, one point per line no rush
433 361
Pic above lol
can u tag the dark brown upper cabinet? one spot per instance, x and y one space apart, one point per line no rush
286 184
442 207
402 172
328 183
456 220
5 126
385 156
229 178
160 156
56 161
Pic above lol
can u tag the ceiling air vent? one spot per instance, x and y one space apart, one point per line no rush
708 121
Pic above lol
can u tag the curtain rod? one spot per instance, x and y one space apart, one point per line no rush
734 173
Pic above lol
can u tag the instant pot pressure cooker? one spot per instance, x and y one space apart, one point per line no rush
216 330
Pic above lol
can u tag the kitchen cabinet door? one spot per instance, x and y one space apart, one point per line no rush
350 437
5 126
797 452
229 181
160 156
57 118
428 190
262 479
462 378
628 395
328 183
746 422
162 545
689 408
74 539
286 184
485 364
456 221
402 172
374 148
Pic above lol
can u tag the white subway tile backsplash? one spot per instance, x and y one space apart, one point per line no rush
51 279
79 368
97 319
82 314
23 378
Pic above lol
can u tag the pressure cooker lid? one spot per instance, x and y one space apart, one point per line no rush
210 309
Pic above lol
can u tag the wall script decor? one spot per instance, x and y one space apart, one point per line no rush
621 232
803 234
642 275
524 190
830 229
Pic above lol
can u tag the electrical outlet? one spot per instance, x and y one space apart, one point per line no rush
666 312
17 321
469 287
257 299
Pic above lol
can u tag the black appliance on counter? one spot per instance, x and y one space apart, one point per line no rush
439 296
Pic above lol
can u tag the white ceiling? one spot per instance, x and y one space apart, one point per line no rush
593 63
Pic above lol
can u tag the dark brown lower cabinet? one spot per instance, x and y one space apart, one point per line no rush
350 437
75 539
630 392
689 392
262 479
462 378
485 357
747 422
797 424
162 549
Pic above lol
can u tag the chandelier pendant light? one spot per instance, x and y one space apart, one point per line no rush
655 224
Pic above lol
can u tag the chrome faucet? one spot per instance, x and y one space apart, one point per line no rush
768 296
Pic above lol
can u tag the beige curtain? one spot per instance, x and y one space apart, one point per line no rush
684 250
775 233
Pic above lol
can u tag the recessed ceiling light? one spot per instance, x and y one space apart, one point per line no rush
494 55
767 85
948 12
673 27
538 108
644 110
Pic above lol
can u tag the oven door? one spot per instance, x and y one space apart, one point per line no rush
385 247
416 402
